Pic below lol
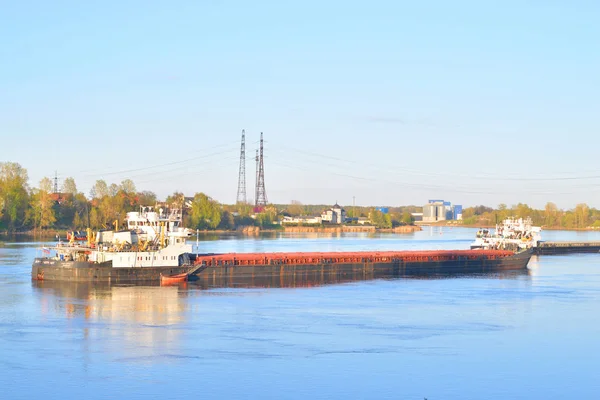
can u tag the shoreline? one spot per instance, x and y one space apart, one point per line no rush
487 226
248 230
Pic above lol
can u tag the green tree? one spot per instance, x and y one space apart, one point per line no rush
77 222
407 218
96 221
379 219
14 196
550 215
205 212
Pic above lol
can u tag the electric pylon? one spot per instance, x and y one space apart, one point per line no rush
55 182
261 194
241 192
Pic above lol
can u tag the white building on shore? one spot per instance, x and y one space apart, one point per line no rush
301 220
334 215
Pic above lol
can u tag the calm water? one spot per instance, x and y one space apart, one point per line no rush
530 335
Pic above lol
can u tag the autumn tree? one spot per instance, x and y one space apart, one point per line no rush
146 198
41 213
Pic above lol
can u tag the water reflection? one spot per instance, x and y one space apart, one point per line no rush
140 321
307 280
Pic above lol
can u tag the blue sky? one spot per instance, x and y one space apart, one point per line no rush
392 102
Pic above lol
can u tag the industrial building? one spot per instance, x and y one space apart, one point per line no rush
440 210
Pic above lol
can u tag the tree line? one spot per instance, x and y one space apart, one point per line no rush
23 208
550 217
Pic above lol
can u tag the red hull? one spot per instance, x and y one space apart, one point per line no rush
164 279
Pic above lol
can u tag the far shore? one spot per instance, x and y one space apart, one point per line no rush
492 226
247 230
253 230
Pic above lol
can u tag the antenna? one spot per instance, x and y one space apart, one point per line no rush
261 193
241 192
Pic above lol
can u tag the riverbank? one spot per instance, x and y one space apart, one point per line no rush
453 224
351 228
246 230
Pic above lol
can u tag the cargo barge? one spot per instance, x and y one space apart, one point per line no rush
556 248
154 249
232 267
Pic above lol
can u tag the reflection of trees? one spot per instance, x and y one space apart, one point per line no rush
140 318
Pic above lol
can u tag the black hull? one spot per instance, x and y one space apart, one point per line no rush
273 275
53 270
75 271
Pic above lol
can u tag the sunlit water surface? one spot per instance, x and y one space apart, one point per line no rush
529 335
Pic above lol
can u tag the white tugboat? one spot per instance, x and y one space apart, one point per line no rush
513 234
152 248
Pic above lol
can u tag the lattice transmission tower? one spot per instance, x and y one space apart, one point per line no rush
55 188
261 193
241 192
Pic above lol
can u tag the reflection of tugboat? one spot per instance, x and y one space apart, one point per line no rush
513 234
153 245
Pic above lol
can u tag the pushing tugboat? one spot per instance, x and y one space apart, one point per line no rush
152 248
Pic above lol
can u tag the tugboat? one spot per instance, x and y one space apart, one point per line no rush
152 247
513 234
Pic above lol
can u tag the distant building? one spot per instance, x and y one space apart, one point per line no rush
417 217
301 220
458 212
384 210
440 210
334 215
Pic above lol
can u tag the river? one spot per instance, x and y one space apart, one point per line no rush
525 335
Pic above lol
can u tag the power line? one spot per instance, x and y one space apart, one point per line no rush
398 169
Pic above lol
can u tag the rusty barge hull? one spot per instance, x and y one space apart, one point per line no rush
219 269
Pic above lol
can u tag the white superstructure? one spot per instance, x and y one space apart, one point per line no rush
512 233
153 239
